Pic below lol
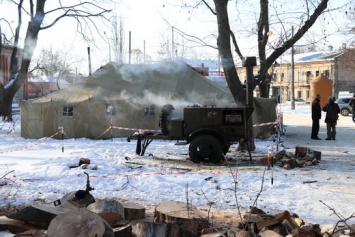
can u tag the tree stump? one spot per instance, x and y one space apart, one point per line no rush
133 211
181 214
110 210
79 223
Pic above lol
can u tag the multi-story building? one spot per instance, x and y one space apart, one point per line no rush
338 66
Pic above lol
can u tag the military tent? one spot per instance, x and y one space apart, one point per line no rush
127 98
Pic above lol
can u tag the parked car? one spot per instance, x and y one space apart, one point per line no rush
297 101
345 108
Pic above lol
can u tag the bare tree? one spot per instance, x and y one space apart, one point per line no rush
118 38
138 56
83 12
173 45
57 65
225 36
269 22
350 28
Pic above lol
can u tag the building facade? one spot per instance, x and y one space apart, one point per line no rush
338 66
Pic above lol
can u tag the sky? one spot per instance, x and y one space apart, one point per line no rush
39 170
151 22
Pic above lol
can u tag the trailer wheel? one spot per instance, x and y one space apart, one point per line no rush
205 148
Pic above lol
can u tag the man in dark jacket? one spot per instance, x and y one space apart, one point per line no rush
331 118
316 116
352 104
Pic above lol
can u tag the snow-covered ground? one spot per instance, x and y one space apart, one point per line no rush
33 170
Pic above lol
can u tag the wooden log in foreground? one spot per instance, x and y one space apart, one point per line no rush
79 223
184 216
110 210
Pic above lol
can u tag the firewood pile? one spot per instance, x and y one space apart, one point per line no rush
110 218
280 224
257 222
302 157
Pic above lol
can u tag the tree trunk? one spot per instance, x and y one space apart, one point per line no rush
224 48
181 214
29 47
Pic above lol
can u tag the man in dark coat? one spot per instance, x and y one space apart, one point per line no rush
316 116
352 104
331 118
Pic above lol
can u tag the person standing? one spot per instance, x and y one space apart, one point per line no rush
316 116
352 104
332 110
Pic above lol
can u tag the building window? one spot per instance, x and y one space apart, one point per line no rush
274 77
326 73
282 77
68 111
299 94
308 75
149 110
299 75
111 110
317 73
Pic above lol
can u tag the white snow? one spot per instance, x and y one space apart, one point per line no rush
33 170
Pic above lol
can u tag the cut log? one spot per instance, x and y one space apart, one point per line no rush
110 210
184 216
133 211
33 233
269 233
123 231
14 226
301 233
41 216
84 161
79 223
141 228
236 232
250 217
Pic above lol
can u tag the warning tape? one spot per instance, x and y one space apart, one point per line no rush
135 175
141 130
265 124
33 145
136 129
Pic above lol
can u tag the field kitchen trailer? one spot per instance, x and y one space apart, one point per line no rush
208 130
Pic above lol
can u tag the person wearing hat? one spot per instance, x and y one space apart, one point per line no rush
331 117
352 105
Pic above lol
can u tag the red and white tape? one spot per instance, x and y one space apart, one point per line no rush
265 124
33 145
136 129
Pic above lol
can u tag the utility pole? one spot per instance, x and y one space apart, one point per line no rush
172 43
144 51
292 76
129 50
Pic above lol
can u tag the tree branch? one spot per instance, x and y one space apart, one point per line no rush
72 11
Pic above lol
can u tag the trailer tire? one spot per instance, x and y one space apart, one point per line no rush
205 148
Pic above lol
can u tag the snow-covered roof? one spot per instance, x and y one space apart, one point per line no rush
315 56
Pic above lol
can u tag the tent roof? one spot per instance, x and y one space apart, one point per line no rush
173 80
